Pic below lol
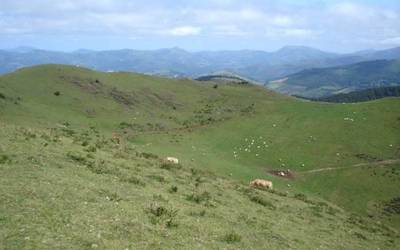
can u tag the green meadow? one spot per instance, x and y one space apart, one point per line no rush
82 165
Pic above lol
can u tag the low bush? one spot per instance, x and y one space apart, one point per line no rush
148 155
199 198
162 215
170 165
133 180
200 213
157 178
91 149
173 189
279 193
393 206
77 157
301 197
4 159
2 96
232 237
101 168
262 201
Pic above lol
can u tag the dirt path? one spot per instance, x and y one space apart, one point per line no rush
384 162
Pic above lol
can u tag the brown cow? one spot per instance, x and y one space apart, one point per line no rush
261 183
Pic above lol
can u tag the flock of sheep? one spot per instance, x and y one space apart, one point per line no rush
253 145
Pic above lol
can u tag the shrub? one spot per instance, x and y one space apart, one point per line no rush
134 180
170 165
101 168
203 197
159 197
4 159
29 134
201 213
393 206
262 201
194 171
301 197
77 157
91 149
68 132
148 155
274 191
57 93
157 178
113 197
198 181
124 125
360 236
232 237
160 214
173 189
2 96
90 156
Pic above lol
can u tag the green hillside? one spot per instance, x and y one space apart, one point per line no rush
81 165
362 95
320 82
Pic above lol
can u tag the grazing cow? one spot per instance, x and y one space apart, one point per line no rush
172 160
261 183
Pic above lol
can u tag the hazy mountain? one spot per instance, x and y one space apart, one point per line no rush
319 82
175 62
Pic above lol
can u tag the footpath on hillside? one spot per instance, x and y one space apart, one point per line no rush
382 163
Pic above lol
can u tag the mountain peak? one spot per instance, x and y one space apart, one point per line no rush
292 48
22 49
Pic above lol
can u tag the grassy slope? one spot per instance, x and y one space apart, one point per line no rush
117 198
295 131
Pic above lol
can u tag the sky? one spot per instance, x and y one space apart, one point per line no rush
331 25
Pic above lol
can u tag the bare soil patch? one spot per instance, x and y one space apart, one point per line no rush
283 173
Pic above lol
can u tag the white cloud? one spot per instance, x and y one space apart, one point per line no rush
228 30
253 19
282 20
391 41
184 31
298 32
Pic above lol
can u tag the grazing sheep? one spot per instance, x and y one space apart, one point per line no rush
172 160
261 183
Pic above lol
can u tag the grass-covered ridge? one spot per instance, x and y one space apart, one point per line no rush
81 164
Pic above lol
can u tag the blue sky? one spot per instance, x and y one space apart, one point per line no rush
341 26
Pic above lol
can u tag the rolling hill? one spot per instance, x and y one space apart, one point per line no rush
316 83
81 165
176 62
226 77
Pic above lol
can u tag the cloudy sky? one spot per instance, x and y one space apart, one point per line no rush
332 25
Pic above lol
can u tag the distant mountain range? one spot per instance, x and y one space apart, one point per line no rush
321 82
175 62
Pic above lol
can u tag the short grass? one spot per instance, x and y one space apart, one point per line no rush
57 195
80 162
